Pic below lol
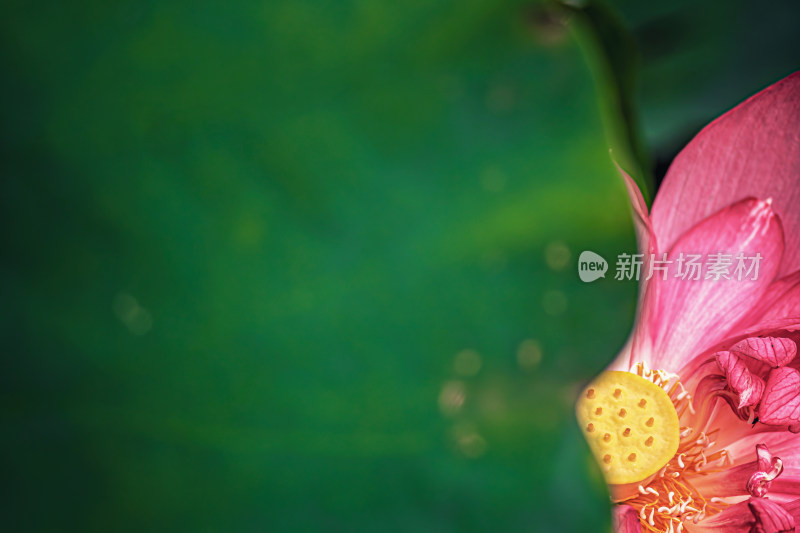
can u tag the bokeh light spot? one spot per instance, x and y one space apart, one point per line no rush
452 397
136 318
467 363
472 445
529 354
557 255
469 441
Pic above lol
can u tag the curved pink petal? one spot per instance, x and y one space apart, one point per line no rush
640 342
788 303
756 515
781 300
753 150
775 351
644 229
786 485
780 403
771 327
696 368
794 508
732 483
626 519
737 518
747 386
694 314
740 439
770 516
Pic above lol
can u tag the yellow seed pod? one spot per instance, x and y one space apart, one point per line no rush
630 424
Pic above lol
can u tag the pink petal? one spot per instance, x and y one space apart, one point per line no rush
794 508
780 403
641 219
626 519
768 328
753 150
775 351
693 370
781 300
782 480
785 485
740 440
787 304
741 381
641 337
693 315
770 516
737 518
756 515
732 482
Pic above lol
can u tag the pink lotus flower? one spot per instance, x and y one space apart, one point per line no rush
696 423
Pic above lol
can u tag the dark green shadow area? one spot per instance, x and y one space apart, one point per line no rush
247 245
700 59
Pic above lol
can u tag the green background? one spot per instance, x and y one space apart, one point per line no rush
310 266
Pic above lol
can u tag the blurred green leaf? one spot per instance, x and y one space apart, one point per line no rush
699 59
247 243
613 59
